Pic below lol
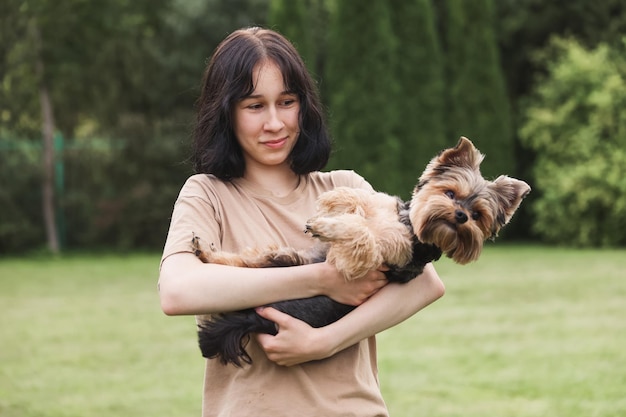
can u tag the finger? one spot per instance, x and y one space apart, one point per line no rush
264 339
272 314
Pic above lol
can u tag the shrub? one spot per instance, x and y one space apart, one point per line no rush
21 222
116 194
576 124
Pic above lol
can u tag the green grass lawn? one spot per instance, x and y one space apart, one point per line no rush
525 331
85 336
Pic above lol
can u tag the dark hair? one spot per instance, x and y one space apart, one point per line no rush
228 79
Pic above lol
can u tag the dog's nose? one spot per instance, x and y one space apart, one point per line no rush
460 216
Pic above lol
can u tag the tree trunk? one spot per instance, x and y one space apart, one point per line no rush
47 117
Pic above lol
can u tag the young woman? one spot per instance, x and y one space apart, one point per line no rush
260 141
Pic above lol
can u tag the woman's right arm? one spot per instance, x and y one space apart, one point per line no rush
188 286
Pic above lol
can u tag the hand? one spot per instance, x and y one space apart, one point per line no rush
354 292
296 342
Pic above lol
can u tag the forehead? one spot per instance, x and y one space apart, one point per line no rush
465 182
267 77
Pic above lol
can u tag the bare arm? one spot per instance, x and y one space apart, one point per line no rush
297 342
390 306
187 286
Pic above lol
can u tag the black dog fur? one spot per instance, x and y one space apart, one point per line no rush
226 335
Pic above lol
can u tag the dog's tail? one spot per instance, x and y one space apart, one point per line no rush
225 336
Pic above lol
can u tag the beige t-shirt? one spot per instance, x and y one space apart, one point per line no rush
234 216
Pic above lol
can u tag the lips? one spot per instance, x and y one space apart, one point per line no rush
278 143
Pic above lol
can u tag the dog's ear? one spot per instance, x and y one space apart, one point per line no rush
508 193
464 155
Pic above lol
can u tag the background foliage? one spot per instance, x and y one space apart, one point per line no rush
575 121
123 77
361 59
476 100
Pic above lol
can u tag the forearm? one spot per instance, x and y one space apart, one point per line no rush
390 306
188 286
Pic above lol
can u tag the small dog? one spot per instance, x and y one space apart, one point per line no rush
453 210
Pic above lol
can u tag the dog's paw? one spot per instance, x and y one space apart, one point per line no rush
283 257
323 228
195 245
199 252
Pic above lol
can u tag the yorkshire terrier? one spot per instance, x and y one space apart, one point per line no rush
453 210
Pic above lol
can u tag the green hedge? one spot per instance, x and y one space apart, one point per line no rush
576 124
116 194
21 221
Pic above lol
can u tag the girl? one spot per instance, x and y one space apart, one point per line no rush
259 143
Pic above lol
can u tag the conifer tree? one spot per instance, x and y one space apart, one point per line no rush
477 102
420 102
292 19
362 91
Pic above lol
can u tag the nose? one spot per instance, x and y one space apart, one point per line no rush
273 122
460 216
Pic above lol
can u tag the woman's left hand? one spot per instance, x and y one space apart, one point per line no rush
296 341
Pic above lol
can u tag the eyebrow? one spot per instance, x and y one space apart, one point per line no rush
257 96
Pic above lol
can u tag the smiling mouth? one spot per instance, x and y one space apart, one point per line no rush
275 143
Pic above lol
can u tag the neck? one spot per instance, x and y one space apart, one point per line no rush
279 180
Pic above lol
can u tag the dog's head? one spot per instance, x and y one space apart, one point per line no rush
456 209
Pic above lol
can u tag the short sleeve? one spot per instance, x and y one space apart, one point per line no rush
194 214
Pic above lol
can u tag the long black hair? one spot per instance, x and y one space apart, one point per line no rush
228 78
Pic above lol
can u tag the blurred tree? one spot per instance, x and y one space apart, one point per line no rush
19 105
526 26
108 60
362 92
293 19
118 68
419 105
63 43
524 29
576 124
478 104
47 132
21 222
93 54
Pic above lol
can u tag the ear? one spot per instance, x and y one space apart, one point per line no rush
464 155
509 193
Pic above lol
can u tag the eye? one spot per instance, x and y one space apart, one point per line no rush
475 215
288 102
249 104
450 194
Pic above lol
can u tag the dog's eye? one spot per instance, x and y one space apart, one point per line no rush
475 215
450 194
